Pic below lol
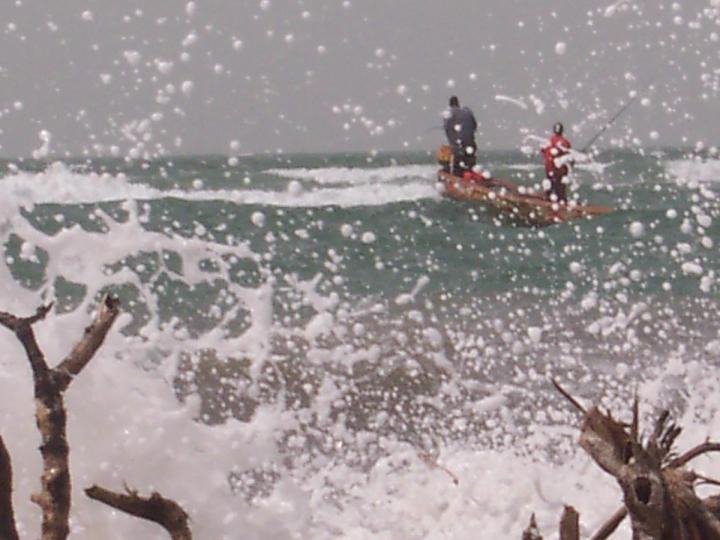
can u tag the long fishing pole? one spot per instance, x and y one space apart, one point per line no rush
609 123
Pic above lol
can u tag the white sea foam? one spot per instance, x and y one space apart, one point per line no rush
127 426
371 194
594 166
351 175
58 184
387 176
699 171
525 166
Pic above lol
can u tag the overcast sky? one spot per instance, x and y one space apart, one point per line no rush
328 75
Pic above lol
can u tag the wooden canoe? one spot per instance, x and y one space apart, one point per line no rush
527 208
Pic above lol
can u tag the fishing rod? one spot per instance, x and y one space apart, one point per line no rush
609 123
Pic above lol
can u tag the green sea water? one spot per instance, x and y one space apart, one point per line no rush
336 254
460 246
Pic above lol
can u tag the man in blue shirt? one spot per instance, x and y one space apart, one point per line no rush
460 126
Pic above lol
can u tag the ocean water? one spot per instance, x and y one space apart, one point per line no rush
322 346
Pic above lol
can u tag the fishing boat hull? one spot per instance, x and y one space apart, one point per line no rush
526 208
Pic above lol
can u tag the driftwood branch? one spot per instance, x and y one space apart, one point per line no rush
691 454
22 327
567 396
92 340
11 322
658 493
155 508
54 500
8 531
610 525
50 385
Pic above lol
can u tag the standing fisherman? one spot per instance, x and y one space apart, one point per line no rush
460 126
556 168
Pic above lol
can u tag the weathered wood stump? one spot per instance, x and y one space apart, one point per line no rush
658 491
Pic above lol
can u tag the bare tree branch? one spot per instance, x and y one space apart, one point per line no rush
635 426
155 508
567 396
10 321
8 530
695 452
610 525
39 314
22 327
91 341
704 479
50 384
606 441
660 425
38 364
54 500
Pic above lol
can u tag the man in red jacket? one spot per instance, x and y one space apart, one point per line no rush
556 168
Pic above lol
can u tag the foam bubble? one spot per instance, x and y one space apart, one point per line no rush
258 219
637 229
368 237
295 188
346 230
